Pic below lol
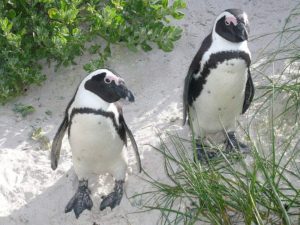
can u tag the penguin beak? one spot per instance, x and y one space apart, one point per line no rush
241 31
122 91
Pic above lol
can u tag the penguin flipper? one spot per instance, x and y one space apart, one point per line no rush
193 69
186 91
57 141
134 145
125 129
249 93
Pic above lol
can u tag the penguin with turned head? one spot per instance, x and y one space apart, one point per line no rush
97 134
218 86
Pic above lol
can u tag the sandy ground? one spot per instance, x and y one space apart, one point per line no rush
31 193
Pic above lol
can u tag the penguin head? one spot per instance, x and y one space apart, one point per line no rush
107 85
232 25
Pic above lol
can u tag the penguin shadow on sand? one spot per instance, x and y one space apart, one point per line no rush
48 207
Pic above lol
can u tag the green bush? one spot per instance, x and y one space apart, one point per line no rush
58 30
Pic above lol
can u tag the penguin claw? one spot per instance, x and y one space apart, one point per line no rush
80 201
113 199
233 144
204 155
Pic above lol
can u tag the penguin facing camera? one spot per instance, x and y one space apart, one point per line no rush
97 133
218 86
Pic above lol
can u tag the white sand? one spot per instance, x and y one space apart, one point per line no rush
31 193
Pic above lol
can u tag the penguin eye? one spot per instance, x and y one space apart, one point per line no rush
107 80
227 22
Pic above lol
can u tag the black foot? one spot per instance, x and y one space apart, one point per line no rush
233 144
203 154
81 200
113 199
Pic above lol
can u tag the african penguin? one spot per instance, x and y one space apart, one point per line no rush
97 134
218 86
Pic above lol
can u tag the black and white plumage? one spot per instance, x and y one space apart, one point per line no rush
97 134
218 86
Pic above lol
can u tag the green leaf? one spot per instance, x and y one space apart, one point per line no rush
132 47
118 4
176 34
146 47
88 67
5 25
11 14
165 3
76 31
178 15
94 48
45 1
53 13
167 46
107 50
179 4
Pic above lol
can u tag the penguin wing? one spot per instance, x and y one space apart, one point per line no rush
249 93
56 144
134 145
186 91
123 125
193 69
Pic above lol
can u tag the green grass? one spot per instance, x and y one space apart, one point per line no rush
254 189
282 54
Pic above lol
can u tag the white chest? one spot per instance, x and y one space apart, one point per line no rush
227 79
222 96
94 136
95 143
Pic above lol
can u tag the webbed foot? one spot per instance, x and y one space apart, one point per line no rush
113 199
203 154
81 200
233 144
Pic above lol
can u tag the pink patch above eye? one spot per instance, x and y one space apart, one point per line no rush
111 77
231 19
